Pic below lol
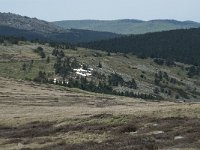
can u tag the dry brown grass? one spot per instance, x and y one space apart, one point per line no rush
46 116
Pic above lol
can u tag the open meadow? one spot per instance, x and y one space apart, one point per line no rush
34 116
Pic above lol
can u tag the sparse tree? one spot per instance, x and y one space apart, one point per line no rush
41 78
24 67
100 65
48 59
156 90
42 54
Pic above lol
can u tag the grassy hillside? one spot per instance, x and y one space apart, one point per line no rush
127 26
176 86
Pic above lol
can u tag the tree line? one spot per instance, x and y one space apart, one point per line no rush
16 40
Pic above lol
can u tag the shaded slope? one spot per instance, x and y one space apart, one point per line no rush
70 36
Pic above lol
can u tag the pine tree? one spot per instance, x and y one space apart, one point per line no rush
48 59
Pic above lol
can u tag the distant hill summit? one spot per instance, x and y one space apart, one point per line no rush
127 26
26 23
33 28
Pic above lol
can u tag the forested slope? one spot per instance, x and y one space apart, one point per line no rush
179 45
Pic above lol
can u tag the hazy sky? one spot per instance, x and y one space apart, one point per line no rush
52 10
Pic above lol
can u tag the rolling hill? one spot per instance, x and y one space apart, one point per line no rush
127 26
32 28
26 23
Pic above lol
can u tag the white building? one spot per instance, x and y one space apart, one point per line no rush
54 80
83 72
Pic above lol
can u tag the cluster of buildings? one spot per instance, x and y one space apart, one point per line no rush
56 81
81 72
84 73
